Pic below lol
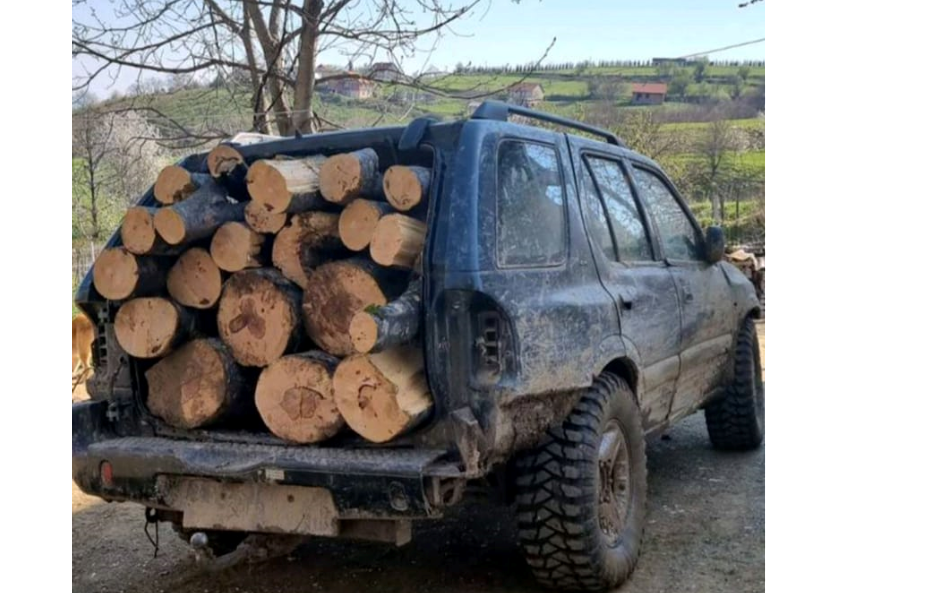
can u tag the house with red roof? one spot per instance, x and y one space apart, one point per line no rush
648 93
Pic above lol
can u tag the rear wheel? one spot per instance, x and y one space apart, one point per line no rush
736 421
581 494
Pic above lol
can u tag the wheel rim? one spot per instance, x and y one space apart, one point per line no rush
614 483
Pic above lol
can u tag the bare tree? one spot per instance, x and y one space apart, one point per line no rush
718 141
644 131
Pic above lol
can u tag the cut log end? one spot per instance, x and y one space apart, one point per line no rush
173 184
358 221
262 220
406 187
267 186
398 241
116 273
137 232
310 239
286 185
195 280
296 399
364 332
223 159
148 327
347 176
235 247
170 226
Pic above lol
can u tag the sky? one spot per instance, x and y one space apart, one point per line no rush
504 32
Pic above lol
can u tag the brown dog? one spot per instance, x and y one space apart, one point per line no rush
82 336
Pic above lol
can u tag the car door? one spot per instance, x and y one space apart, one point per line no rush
643 289
705 299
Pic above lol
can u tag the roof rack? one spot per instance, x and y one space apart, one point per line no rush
499 111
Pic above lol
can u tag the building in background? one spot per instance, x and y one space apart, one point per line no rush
648 93
528 94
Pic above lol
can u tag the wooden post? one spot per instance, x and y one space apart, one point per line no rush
175 184
286 185
350 175
263 221
259 316
197 385
407 187
151 327
295 397
309 240
339 289
119 274
398 240
383 395
197 217
394 324
235 247
195 280
358 221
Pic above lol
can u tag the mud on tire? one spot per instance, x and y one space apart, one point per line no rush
736 421
581 507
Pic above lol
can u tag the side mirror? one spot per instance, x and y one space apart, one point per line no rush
714 244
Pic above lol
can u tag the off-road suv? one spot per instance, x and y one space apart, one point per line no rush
572 306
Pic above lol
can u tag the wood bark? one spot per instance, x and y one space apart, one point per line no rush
406 187
382 396
262 220
119 274
350 175
296 400
195 280
398 241
358 221
175 184
286 185
394 324
197 217
197 385
336 291
138 233
235 247
150 327
309 240
259 316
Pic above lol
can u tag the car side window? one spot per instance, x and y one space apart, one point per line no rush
531 221
633 243
678 235
596 221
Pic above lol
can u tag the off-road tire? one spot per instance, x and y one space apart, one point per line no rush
736 421
219 542
558 488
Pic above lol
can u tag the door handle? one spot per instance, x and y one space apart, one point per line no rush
688 297
627 302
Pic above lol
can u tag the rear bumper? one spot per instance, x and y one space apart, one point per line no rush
365 483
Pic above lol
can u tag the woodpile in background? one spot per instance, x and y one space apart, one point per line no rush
286 289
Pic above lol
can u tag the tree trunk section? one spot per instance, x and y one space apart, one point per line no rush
197 385
398 241
225 160
382 396
150 327
259 316
296 400
138 233
175 184
262 220
195 280
350 175
197 217
358 221
310 239
407 187
286 185
235 247
119 274
392 325
339 289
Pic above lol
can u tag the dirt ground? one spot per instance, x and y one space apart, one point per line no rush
706 533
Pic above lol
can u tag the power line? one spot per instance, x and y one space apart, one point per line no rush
712 51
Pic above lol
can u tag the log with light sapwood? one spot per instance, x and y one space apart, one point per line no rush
119 274
339 289
286 185
309 240
150 327
198 216
394 324
175 184
260 316
406 187
295 397
350 175
381 396
398 240
195 280
262 220
358 220
138 233
197 385
225 160
235 247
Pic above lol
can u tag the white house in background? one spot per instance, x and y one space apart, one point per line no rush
385 72
528 94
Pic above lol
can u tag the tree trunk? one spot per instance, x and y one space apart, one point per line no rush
119 274
310 239
358 221
339 289
197 385
273 57
197 217
398 241
262 220
195 280
138 233
383 395
151 327
407 187
225 161
296 400
305 73
175 184
286 185
259 316
351 175
392 325
235 246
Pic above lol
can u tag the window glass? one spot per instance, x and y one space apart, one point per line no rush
595 219
677 234
629 231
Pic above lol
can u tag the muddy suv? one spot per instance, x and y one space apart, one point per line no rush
572 306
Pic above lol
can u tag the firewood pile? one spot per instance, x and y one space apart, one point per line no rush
286 288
